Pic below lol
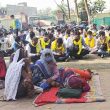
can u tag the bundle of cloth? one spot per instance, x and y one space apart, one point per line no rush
73 84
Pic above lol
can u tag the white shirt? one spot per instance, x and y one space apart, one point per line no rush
29 50
69 42
28 37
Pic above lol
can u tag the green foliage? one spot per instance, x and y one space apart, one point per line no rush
94 7
99 5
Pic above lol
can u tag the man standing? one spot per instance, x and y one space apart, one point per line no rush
15 25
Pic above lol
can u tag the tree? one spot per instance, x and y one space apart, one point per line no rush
81 6
69 13
87 10
82 11
99 5
62 8
76 10
65 8
94 7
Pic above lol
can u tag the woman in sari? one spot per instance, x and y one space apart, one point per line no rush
18 80
45 71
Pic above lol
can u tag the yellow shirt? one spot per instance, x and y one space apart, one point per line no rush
108 44
13 24
43 43
38 48
55 48
90 42
66 36
79 44
106 41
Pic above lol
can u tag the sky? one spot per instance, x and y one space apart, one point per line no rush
42 4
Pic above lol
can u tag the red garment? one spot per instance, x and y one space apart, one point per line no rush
83 73
2 68
51 97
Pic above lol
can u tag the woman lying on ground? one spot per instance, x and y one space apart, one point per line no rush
46 73
75 78
18 80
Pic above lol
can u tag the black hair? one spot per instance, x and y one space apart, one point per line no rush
58 30
32 34
12 16
49 29
35 38
102 33
45 34
81 28
76 32
52 31
50 36
68 31
17 39
89 32
60 41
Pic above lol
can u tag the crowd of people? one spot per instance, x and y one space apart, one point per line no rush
65 42
34 53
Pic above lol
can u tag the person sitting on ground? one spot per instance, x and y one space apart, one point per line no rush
94 28
33 49
79 48
45 42
108 46
18 80
102 44
22 36
91 42
66 36
45 71
17 44
83 33
59 50
30 35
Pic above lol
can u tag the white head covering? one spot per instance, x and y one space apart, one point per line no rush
13 76
42 58
45 51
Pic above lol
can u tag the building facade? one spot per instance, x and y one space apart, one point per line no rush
21 8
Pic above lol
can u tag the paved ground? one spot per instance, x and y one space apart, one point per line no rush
102 66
